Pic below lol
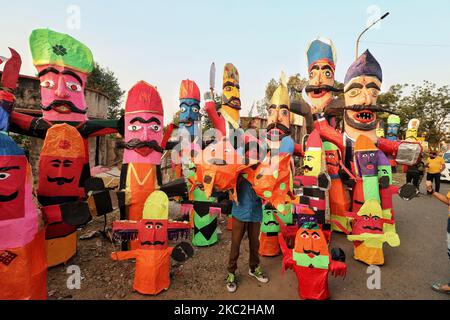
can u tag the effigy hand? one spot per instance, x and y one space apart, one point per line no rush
338 269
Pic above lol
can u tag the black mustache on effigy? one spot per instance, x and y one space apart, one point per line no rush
136 144
66 103
373 108
60 180
311 88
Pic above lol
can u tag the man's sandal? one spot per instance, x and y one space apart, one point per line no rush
438 288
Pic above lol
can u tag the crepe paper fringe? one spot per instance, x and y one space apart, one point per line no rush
125 235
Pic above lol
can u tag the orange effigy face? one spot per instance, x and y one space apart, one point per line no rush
311 242
153 234
218 167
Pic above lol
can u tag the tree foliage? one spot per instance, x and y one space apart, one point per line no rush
105 81
427 102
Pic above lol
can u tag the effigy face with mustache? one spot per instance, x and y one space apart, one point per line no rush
321 56
393 126
361 90
13 173
231 97
311 247
279 118
63 64
370 231
144 119
189 106
62 93
61 166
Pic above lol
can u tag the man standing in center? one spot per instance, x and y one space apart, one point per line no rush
247 216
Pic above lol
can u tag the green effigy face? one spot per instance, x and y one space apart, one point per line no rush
269 223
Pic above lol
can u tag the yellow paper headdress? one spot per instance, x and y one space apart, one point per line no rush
371 208
281 94
156 206
230 74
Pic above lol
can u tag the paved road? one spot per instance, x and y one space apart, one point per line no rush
408 271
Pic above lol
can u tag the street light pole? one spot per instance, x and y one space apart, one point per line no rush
357 41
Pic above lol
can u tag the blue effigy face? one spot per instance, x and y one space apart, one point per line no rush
190 113
392 131
5 110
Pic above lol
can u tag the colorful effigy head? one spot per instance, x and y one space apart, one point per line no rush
218 167
269 224
231 97
332 157
144 120
361 89
312 161
63 64
321 56
154 230
366 156
154 224
18 216
62 164
189 106
311 248
379 131
279 116
413 128
393 126
369 219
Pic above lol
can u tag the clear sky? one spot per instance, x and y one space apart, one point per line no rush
164 42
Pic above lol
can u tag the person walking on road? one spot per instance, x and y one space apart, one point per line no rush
435 165
415 173
439 287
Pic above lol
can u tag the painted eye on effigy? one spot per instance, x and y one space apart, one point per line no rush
48 84
354 92
134 128
155 127
4 175
74 87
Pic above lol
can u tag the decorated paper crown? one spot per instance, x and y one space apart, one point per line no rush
281 94
54 48
144 97
371 208
156 206
321 49
314 143
189 90
328 146
8 147
365 65
63 140
363 143
393 119
230 73
310 225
